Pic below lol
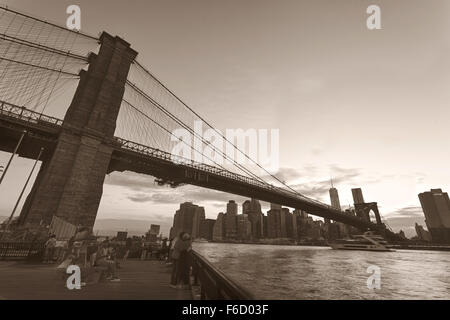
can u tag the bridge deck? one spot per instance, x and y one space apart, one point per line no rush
131 156
140 280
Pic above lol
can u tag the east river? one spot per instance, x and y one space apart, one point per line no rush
300 272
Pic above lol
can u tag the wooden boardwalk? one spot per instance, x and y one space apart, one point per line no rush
140 280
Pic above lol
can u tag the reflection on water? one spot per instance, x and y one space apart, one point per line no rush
295 272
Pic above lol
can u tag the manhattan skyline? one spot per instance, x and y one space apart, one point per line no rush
365 106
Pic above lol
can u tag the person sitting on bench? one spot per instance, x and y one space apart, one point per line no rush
103 260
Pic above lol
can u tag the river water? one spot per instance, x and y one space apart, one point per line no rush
300 272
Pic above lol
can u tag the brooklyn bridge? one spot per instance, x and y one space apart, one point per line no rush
121 118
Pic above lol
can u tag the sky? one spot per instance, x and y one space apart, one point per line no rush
368 108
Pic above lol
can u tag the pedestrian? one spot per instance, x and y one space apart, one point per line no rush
162 252
128 245
62 250
103 260
80 244
144 251
170 249
50 245
182 251
174 257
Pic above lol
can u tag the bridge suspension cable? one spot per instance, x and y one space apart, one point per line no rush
163 114
167 131
20 15
33 49
189 129
159 96
40 61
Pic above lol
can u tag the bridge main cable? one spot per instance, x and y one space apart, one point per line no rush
42 47
218 132
8 9
185 126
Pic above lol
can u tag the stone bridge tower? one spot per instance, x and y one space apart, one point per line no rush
70 181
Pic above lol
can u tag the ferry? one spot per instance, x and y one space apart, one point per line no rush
369 241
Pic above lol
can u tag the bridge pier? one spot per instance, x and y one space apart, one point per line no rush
363 211
70 183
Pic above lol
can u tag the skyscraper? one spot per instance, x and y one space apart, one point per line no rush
295 216
219 228
342 229
422 234
188 219
252 205
284 221
253 209
244 227
273 223
231 220
334 197
436 207
232 207
207 229
289 225
357 196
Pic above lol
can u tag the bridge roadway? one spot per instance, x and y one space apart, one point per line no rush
43 131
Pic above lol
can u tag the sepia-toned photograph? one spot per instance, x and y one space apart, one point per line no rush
261 151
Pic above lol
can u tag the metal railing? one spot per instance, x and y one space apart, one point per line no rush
214 284
26 115
20 250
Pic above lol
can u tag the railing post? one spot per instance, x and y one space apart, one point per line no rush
202 293
195 270
5 252
29 250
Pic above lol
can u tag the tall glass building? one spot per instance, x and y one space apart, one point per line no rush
436 207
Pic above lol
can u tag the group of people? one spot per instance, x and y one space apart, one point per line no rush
84 250
180 248
49 249
149 251
106 256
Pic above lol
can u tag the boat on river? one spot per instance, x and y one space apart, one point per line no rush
369 241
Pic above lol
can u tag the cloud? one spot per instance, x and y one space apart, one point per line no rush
307 182
165 195
287 174
408 212
143 189
141 197
131 180
405 219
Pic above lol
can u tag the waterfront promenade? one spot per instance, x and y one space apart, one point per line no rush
140 280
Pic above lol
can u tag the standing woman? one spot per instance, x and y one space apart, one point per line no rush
175 254
50 249
183 246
